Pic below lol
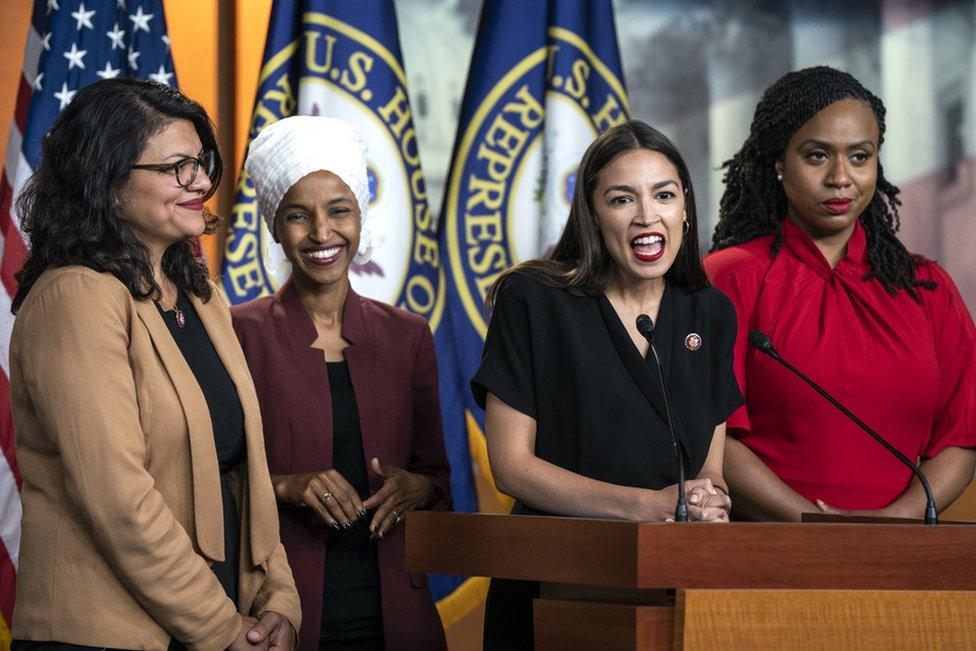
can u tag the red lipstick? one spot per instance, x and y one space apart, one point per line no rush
838 206
648 247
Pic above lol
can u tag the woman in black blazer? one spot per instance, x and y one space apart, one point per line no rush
576 417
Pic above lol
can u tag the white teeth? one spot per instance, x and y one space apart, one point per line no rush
647 239
323 254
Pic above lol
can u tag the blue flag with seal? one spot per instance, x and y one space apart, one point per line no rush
545 80
341 58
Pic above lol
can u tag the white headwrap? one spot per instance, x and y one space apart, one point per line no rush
288 150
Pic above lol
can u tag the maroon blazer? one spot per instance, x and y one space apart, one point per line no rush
393 368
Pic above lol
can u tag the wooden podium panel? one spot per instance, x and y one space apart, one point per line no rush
693 555
833 585
570 625
706 620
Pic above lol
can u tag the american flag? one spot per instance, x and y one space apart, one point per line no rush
71 43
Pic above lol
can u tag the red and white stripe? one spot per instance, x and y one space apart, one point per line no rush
16 171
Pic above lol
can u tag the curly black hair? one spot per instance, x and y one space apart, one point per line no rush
754 203
68 207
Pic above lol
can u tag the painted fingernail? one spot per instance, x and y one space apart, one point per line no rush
694 499
362 513
334 525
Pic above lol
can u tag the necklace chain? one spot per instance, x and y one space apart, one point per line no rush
180 317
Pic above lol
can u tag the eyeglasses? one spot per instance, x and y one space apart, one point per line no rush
185 169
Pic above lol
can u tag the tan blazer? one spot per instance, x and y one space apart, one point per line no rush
121 493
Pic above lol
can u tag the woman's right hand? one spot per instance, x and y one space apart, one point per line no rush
713 505
327 493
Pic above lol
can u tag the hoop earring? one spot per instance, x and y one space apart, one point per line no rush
365 251
276 269
687 227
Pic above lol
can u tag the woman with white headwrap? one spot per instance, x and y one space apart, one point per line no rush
348 392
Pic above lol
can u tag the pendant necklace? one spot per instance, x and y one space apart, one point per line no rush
180 317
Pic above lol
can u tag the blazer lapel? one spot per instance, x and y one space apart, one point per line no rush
639 369
664 334
674 322
260 503
361 358
203 452
642 370
311 438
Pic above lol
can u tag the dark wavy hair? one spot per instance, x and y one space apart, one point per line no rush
754 203
580 262
68 207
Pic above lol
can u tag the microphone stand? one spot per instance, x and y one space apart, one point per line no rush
646 327
763 344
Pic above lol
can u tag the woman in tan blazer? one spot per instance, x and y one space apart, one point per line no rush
149 517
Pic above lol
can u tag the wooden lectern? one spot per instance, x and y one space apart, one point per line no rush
624 585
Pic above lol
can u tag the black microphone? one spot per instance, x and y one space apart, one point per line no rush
763 344
645 326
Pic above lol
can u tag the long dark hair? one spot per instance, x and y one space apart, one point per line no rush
68 206
580 261
754 203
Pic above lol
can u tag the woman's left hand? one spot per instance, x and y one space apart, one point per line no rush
876 513
402 491
274 631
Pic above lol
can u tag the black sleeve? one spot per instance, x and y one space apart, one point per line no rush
728 398
506 365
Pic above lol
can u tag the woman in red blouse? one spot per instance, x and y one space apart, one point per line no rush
806 250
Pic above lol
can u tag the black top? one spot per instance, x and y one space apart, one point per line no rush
351 598
568 362
227 418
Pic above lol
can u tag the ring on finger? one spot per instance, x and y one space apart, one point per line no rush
326 496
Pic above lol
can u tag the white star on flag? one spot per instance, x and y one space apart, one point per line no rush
52 5
116 36
140 20
64 95
165 39
109 72
132 56
46 41
37 81
75 57
161 75
83 17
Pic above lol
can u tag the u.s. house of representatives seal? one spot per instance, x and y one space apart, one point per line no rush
511 185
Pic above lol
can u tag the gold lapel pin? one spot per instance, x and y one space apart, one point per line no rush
693 341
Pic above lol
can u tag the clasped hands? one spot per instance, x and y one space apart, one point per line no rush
331 496
706 503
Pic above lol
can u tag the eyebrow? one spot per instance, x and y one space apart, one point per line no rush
181 155
627 188
827 145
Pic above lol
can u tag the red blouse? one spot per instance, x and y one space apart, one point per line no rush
906 368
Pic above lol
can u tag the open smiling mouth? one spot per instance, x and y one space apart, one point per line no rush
647 247
323 256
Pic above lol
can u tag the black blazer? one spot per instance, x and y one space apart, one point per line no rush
568 362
